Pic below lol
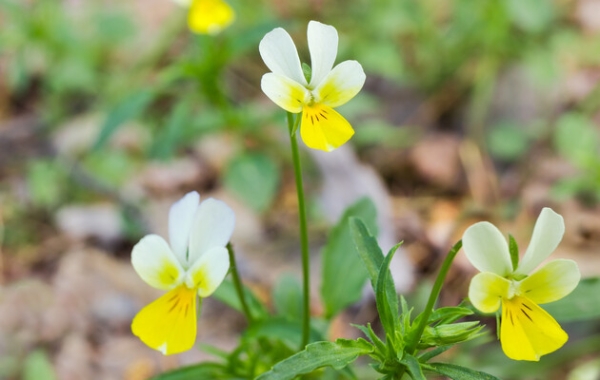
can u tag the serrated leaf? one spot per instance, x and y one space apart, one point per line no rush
254 178
336 354
578 306
456 372
343 274
198 371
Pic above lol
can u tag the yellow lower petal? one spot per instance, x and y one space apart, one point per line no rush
169 323
323 128
528 331
209 16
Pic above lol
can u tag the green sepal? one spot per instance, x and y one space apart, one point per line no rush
443 335
307 71
513 248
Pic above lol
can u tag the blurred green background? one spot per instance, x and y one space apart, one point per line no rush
488 108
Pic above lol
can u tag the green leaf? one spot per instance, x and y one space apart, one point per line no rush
130 108
442 335
254 178
507 141
576 139
367 248
167 139
287 297
531 15
456 372
227 294
37 366
336 354
413 367
578 306
428 355
46 183
450 314
369 333
198 371
513 248
386 297
343 274
286 331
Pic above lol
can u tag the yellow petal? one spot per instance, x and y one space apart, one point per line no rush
323 128
169 323
487 290
552 282
209 16
528 331
285 92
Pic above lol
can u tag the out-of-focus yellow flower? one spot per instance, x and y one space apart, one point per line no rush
194 264
316 97
527 331
208 16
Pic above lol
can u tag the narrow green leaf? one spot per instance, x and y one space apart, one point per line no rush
165 144
428 355
386 297
456 372
367 248
254 178
343 274
413 367
336 354
451 314
199 371
130 108
369 333
578 306
513 248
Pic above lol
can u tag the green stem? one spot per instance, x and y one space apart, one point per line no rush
435 293
238 283
303 231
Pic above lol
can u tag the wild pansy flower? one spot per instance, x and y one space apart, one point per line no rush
193 264
316 94
208 16
527 331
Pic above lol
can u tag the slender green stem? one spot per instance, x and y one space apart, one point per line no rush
303 231
238 283
435 293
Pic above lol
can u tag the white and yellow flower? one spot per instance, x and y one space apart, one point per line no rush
527 331
208 16
193 264
316 97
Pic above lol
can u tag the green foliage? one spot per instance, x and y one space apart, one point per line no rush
37 366
336 354
513 248
577 306
254 178
287 297
207 370
343 275
226 294
46 183
455 372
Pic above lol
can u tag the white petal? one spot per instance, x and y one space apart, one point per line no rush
280 55
341 84
552 282
487 249
323 46
181 216
156 264
487 290
547 233
287 94
209 271
213 226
